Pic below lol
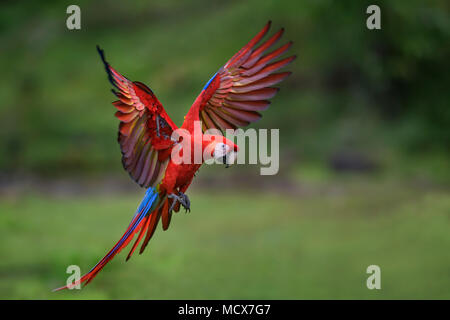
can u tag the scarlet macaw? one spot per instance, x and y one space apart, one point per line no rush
232 98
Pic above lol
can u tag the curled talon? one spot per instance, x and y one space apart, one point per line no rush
182 199
186 203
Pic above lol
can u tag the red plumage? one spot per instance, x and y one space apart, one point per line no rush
232 98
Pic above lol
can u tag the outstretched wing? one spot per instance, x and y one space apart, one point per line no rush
144 130
236 94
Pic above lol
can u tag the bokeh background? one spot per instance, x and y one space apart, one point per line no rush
364 137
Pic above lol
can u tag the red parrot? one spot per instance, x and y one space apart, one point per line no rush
232 98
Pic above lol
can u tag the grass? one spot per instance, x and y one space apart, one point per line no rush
236 245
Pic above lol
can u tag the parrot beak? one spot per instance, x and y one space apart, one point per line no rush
229 158
224 160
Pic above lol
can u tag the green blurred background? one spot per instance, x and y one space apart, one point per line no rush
364 166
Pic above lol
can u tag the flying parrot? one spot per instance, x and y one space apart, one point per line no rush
232 98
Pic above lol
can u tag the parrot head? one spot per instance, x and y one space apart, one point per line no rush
223 150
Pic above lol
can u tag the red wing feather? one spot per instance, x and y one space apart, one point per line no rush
144 130
242 87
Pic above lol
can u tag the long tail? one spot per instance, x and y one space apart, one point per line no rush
145 218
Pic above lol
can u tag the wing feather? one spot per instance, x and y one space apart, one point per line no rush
140 141
243 86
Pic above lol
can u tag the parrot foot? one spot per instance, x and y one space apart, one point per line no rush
181 198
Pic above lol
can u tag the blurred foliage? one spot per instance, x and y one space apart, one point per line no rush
381 93
316 245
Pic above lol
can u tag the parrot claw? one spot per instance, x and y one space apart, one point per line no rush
186 202
181 198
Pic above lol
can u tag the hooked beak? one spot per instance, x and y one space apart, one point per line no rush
224 160
229 158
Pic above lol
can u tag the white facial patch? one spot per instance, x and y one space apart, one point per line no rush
220 150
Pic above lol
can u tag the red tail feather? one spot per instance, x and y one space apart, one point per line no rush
148 209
